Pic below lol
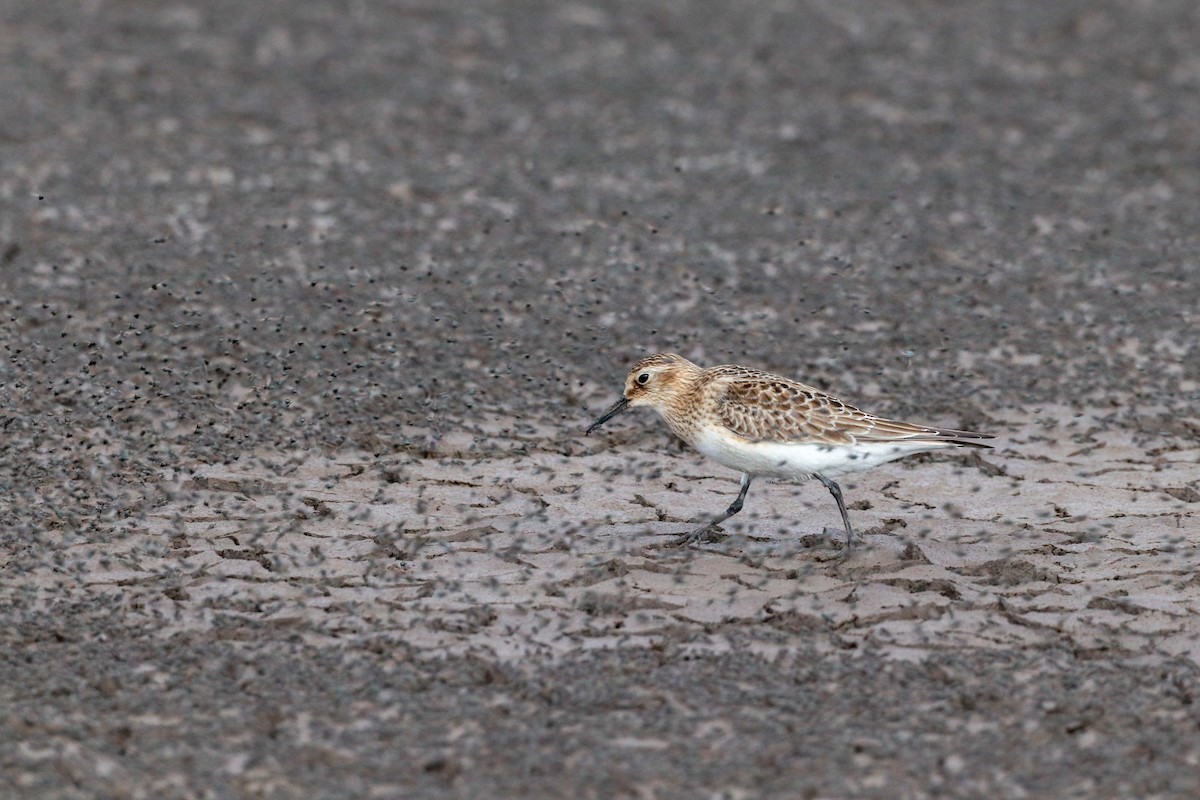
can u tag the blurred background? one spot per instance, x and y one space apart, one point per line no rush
364 222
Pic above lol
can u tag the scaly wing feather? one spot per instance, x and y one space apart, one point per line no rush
764 407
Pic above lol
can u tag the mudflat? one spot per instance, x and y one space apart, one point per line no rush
306 307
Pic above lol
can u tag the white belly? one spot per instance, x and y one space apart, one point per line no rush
784 460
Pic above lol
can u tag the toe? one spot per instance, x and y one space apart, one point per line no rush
693 536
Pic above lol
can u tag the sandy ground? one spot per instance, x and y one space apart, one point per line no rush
1067 536
304 308
1068 545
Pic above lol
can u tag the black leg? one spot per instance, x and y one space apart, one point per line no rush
734 508
836 491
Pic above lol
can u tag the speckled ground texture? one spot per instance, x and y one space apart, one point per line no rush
306 306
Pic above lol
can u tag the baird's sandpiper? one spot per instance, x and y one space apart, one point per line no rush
764 424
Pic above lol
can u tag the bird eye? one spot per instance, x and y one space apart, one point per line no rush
645 376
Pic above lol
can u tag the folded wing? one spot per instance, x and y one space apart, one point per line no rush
763 407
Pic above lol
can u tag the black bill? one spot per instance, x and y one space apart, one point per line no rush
616 408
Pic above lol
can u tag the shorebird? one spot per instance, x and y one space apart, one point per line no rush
767 425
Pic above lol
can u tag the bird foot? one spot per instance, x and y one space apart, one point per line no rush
703 533
843 551
847 540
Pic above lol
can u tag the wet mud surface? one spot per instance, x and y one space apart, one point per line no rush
306 307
